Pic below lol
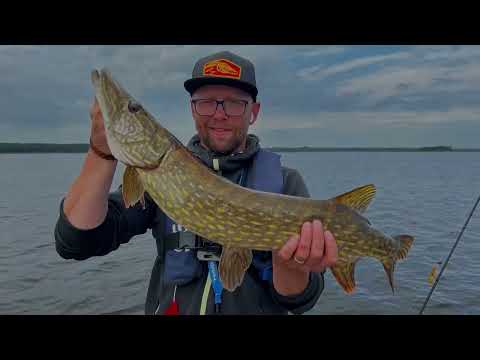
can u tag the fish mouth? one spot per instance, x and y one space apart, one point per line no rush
98 81
105 90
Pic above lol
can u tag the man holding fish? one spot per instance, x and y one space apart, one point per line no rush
190 272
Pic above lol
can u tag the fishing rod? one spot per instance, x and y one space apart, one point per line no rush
448 257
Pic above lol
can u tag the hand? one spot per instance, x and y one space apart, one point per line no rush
97 132
313 251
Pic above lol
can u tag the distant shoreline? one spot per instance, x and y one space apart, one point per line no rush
372 149
30 148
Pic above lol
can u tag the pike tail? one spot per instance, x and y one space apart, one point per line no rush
344 271
404 242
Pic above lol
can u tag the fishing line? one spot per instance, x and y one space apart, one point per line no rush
448 257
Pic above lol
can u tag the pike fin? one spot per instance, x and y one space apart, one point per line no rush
358 198
344 272
405 242
132 188
389 266
234 262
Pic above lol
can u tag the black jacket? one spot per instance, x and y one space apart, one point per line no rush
254 296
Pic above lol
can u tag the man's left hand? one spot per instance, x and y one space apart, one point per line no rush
313 251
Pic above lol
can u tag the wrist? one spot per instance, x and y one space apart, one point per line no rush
98 170
100 153
290 282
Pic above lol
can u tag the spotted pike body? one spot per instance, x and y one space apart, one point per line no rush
213 207
226 213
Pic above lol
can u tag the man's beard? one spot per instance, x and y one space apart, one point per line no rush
232 145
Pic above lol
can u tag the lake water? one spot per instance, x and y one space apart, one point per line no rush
428 195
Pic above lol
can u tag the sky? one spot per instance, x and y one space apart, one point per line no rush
343 96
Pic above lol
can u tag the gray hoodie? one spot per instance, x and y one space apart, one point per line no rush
254 296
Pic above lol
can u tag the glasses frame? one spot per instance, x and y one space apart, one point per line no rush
245 103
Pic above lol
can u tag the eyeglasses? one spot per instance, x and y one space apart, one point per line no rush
208 107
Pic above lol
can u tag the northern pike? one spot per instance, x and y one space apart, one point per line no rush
238 218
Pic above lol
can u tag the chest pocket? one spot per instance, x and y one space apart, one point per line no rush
181 262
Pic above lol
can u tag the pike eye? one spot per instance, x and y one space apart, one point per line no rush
134 106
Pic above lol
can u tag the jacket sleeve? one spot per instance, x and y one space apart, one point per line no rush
301 303
119 226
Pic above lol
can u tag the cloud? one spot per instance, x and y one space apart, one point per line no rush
343 120
324 51
318 72
45 91
16 49
434 83
406 77
390 81
456 127
448 53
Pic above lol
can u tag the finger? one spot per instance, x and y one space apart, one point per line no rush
331 250
318 242
94 107
303 250
96 112
286 251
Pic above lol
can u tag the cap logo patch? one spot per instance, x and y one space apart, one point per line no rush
222 68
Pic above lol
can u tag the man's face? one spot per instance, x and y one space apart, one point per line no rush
222 132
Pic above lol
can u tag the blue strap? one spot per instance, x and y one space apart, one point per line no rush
265 175
267 164
216 284
262 261
267 273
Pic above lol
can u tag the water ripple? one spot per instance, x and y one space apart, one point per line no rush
427 195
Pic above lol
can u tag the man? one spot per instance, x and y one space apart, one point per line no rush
94 222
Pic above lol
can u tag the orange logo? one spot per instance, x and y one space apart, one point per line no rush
222 68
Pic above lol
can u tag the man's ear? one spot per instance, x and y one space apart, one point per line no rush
191 106
255 111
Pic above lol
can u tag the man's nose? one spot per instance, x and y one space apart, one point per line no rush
220 112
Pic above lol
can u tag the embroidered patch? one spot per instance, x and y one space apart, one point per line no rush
222 68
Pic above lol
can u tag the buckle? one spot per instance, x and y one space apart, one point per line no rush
206 250
207 256
186 240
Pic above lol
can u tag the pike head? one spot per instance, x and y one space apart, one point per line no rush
133 135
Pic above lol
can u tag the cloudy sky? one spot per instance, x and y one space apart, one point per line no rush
310 95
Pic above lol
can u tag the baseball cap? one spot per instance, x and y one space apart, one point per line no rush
223 68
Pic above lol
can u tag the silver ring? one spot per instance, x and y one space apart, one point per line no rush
299 261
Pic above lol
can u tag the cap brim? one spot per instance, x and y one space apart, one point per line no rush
193 84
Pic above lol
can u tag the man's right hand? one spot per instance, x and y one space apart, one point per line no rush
86 203
97 132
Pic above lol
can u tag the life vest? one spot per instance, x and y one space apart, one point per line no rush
182 265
